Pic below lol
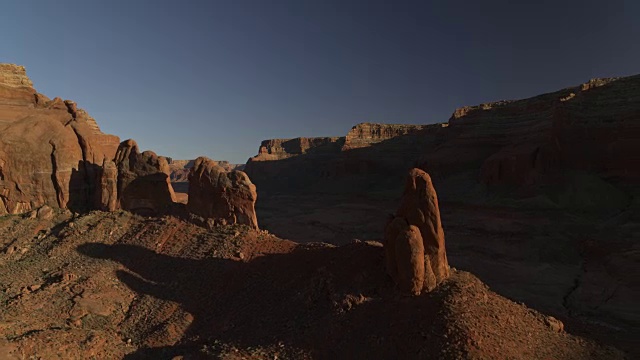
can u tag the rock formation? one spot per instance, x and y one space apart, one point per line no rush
223 197
143 180
415 255
50 151
14 75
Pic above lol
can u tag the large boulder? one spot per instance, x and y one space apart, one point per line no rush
415 255
225 197
143 180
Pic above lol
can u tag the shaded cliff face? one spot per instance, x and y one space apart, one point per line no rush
50 151
577 147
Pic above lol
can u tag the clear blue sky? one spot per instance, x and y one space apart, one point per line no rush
188 78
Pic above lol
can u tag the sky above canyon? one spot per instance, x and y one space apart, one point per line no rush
214 78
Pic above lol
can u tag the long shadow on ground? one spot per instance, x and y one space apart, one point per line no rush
327 302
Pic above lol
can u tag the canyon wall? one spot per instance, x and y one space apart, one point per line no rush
575 147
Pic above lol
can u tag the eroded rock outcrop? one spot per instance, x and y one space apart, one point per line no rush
415 254
50 150
14 75
223 197
143 180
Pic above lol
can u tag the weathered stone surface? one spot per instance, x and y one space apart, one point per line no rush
415 254
143 180
226 197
